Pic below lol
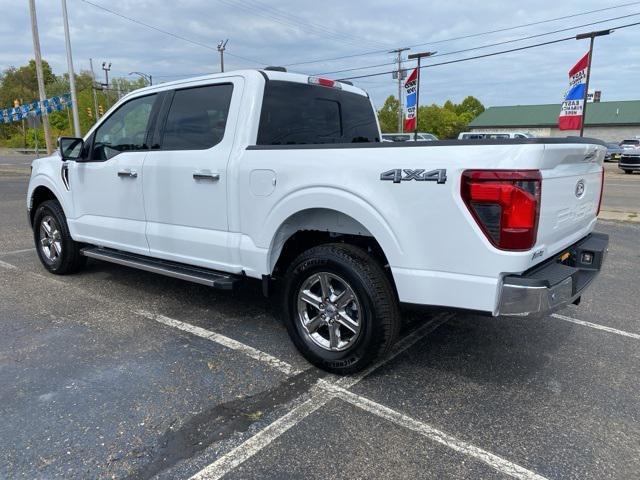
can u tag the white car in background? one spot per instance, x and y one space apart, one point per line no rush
492 135
408 137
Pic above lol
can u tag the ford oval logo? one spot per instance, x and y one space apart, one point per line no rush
580 188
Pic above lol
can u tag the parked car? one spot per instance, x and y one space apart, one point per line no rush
614 151
630 143
492 135
630 158
408 137
282 178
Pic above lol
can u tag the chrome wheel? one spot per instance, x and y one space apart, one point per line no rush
329 311
50 239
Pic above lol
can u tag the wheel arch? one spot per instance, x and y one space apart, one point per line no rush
41 193
325 214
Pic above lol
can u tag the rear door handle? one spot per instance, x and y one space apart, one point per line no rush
127 172
206 175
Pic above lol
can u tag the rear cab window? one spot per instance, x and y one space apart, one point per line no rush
297 113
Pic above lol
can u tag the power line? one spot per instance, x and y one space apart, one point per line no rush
473 35
166 32
466 59
263 6
282 20
505 42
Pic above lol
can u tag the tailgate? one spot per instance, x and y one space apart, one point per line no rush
571 186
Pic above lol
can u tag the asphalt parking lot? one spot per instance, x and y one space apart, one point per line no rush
118 373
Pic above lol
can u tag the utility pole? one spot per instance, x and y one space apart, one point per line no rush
40 75
399 51
221 46
72 76
106 69
93 89
591 36
411 57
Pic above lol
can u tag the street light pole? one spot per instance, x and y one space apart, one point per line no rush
72 76
591 36
418 56
39 74
147 78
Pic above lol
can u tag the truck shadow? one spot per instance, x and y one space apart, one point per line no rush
483 349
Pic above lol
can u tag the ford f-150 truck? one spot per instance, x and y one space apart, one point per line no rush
282 177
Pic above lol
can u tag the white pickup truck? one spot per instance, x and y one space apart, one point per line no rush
282 177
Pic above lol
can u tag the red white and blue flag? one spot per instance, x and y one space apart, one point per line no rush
571 112
410 87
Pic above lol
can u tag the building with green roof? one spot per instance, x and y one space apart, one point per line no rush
609 121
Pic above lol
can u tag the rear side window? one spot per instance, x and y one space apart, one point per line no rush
297 113
197 117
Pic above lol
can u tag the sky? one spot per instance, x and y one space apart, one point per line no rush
289 32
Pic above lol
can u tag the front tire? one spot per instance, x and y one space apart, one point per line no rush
340 308
57 251
628 171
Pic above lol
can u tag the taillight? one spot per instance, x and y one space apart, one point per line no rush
505 204
601 191
325 82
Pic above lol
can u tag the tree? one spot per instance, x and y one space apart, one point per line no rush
470 105
388 115
21 84
445 121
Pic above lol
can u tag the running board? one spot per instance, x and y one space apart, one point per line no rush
203 276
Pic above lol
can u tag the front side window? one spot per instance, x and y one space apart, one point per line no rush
125 130
197 117
297 113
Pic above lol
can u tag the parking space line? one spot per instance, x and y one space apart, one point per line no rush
498 463
264 437
225 341
320 397
403 344
13 252
596 326
8 266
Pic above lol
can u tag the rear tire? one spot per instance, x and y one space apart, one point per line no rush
340 308
57 251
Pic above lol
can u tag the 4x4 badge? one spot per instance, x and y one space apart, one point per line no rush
398 175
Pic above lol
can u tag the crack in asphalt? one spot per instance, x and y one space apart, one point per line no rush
220 422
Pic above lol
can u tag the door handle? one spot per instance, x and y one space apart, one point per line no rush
127 172
205 175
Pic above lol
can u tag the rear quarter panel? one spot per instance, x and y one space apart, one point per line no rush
423 227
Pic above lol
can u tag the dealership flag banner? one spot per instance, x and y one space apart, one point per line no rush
410 87
37 108
571 112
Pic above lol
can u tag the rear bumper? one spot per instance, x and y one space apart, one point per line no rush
553 285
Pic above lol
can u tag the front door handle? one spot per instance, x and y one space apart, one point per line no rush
206 175
127 172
